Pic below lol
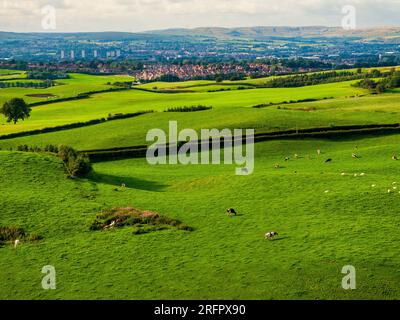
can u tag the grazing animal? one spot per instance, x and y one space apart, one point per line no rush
231 212
328 160
395 158
296 155
110 226
287 159
355 156
271 235
17 243
277 166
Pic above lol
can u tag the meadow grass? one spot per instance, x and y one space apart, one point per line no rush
100 105
225 257
76 84
5 72
379 109
328 215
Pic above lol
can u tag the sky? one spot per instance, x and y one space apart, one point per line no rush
142 15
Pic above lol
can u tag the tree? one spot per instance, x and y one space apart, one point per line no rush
16 109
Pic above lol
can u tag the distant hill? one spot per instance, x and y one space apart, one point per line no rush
383 33
94 36
391 34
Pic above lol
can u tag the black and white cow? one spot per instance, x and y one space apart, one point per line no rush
271 235
231 212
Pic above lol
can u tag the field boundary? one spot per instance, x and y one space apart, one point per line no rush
139 151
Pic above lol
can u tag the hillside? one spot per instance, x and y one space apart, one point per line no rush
333 199
224 257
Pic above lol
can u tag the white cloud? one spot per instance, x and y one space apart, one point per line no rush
137 15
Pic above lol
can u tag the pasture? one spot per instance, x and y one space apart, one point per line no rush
100 105
225 257
327 214
75 85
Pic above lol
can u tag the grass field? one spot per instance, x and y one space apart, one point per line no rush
328 215
224 257
76 84
100 105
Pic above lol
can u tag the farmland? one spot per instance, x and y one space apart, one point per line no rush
328 215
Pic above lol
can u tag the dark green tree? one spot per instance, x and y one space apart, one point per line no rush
16 109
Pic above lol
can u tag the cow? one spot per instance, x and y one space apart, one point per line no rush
231 212
271 235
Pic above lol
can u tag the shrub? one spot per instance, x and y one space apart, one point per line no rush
14 233
188 109
76 165
23 148
143 221
51 148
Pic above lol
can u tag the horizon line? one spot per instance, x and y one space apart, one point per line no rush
205 27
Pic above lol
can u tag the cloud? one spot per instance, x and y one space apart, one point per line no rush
137 15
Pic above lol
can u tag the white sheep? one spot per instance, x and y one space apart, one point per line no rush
17 243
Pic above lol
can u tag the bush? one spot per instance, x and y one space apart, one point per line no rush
143 221
14 233
23 148
76 165
51 148
188 109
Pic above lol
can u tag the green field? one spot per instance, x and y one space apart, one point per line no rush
328 215
76 84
